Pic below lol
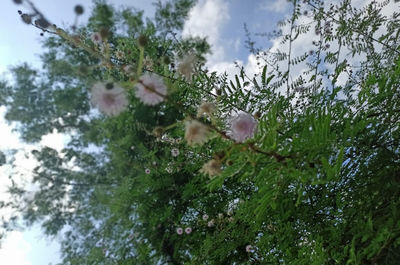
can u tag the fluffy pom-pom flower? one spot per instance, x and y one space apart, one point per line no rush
196 132
206 108
212 168
109 98
151 89
242 127
186 66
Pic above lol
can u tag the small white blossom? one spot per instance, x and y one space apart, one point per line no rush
188 230
96 38
249 248
148 63
205 217
211 223
175 152
147 171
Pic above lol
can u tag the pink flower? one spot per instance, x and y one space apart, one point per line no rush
188 230
243 127
96 38
109 98
249 248
179 231
150 89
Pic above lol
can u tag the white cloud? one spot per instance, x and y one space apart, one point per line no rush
15 250
54 140
279 6
206 20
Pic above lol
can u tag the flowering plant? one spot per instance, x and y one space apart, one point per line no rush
302 157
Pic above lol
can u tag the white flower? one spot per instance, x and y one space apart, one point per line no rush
220 215
195 132
147 171
186 66
205 217
175 152
206 108
109 98
96 38
168 169
179 231
150 89
188 230
148 63
211 223
249 248
243 127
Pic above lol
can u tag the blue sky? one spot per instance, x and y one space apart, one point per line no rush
221 21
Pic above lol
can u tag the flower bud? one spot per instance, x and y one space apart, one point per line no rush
109 85
166 60
78 10
42 22
26 18
143 41
104 32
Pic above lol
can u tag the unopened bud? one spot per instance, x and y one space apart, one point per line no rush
158 131
257 115
109 86
104 32
26 18
143 41
83 69
42 22
166 60
78 10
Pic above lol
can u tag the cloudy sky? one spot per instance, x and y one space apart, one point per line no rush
221 21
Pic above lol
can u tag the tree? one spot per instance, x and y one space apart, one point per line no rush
167 178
